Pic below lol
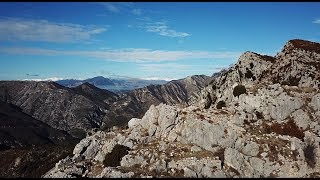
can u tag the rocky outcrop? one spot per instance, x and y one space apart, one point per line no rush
248 122
296 65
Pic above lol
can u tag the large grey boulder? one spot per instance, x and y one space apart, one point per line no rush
158 120
301 118
315 102
283 106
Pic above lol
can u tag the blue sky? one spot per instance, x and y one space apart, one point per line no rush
150 40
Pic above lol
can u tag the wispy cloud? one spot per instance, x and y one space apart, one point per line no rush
126 55
171 70
13 29
162 67
137 12
153 67
163 71
159 78
163 29
116 7
111 7
44 79
316 21
157 27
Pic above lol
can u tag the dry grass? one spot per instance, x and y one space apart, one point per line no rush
197 109
289 90
232 172
175 151
201 116
314 175
277 146
144 171
289 128
96 169
254 89
144 132
306 45
271 142
183 112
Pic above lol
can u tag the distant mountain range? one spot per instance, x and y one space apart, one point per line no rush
114 85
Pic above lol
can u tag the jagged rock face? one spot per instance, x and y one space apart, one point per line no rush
301 63
55 105
298 64
269 130
137 102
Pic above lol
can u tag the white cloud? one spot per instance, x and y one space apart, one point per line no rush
143 19
45 31
137 12
163 67
162 29
46 79
97 31
127 55
316 21
159 78
111 7
116 7
30 51
166 71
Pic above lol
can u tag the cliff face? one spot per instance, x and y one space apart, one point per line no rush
260 118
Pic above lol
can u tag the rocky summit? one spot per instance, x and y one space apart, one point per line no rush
259 118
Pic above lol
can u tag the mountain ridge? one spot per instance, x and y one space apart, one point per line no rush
114 85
